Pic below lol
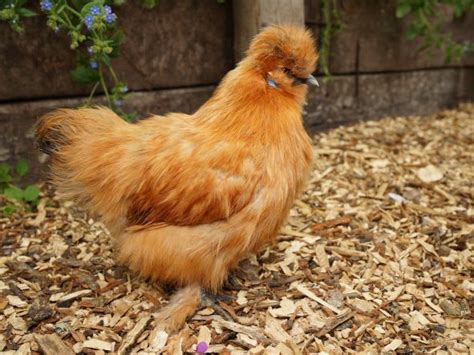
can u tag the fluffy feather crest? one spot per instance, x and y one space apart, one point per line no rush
286 46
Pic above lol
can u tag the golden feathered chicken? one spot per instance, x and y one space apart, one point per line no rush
186 197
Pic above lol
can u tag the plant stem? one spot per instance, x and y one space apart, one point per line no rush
64 23
70 8
104 86
113 74
68 21
89 99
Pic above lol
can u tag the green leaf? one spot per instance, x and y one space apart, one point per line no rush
458 9
85 75
448 55
4 169
150 4
22 167
26 13
129 117
106 60
413 31
5 173
31 193
458 53
115 42
403 9
9 209
14 193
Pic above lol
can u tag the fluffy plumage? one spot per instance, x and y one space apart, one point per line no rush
186 197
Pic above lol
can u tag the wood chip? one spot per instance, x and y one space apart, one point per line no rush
67 300
40 217
286 309
99 344
347 252
363 305
429 173
131 337
275 331
332 323
344 220
250 331
16 301
312 296
51 344
321 256
394 345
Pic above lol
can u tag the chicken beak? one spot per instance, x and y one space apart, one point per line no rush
312 80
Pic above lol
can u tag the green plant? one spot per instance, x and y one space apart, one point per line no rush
93 32
27 196
332 24
426 23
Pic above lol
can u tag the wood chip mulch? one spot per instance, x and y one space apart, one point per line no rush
377 256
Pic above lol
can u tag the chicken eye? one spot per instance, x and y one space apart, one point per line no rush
286 70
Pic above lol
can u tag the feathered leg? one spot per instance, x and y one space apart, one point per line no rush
183 304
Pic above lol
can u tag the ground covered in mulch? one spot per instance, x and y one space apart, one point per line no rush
377 255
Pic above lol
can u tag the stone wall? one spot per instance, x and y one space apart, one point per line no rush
174 55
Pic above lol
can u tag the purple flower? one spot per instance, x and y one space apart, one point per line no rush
201 347
57 29
90 50
93 64
125 88
107 9
94 10
88 20
118 102
110 18
46 5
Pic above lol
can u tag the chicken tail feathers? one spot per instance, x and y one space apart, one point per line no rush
50 128
87 151
60 127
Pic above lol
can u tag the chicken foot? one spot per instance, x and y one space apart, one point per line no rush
212 301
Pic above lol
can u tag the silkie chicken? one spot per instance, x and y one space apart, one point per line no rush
186 197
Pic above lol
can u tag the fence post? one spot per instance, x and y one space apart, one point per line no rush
251 15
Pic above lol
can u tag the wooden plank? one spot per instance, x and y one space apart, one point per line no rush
252 15
281 12
176 44
372 39
246 25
